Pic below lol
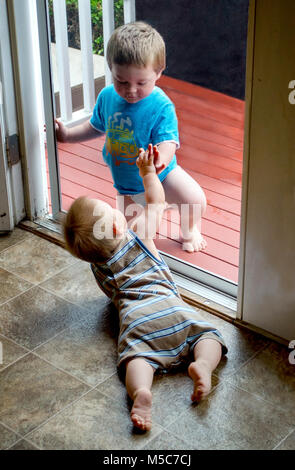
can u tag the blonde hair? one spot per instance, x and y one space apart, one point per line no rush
137 44
78 230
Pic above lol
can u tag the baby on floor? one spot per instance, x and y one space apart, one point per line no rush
158 331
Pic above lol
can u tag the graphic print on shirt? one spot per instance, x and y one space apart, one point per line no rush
120 142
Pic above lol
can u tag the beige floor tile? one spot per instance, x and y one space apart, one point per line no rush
35 259
23 445
242 345
251 408
14 237
77 284
166 441
231 419
93 422
11 286
85 350
10 352
171 396
288 443
32 391
114 387
271 376
36 316
7 437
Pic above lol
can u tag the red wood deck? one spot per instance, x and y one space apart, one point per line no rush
211 136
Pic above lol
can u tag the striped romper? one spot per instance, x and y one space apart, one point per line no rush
155 323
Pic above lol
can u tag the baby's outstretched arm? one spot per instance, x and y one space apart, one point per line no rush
147 223
154 192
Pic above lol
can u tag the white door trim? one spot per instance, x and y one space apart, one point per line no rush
267 294
6 210
26 60
11 182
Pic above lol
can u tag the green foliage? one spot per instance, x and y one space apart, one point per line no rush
96 19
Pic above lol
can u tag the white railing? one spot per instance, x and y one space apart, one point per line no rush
62 53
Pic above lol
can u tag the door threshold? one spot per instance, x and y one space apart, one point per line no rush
205 297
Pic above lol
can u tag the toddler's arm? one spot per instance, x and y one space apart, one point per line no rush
79 133
166 152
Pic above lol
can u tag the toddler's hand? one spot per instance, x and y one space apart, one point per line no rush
61 131
158 165
145 160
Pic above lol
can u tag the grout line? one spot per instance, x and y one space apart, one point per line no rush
168 431
54 336
23 439
13 362
60 271
46 289
156 436
14 342
59 368
259 397
36 237
177 418
17 243
63 298
18 295
59 412
16 275
29 351
35 284
17 434
235 371
284 439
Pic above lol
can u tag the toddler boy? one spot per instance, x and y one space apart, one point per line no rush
133 112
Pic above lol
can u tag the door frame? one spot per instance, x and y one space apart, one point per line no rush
11 180
266 284
6 209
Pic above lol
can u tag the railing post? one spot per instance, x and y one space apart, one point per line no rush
87 54
129 11
61 34
108 28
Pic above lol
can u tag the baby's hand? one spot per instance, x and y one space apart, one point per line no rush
150 158
145 160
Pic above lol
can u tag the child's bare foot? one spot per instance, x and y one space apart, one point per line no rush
200 373
194 242
141 410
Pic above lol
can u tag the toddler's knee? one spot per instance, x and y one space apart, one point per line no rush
200 204
203 204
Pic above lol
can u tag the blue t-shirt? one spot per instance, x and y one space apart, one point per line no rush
130 126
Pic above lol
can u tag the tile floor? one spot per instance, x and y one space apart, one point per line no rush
58 380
